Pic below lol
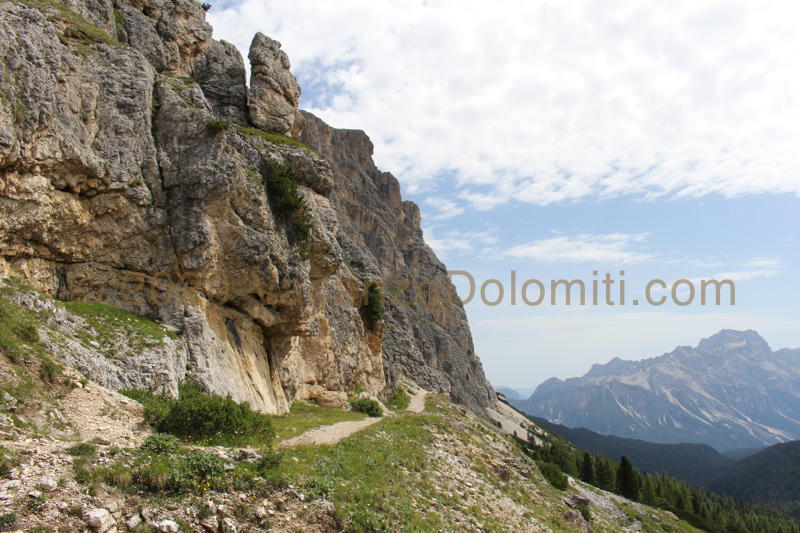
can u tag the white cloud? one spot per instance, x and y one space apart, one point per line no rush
548 101
604 248
456 242
445 208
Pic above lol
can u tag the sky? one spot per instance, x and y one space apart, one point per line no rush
555 139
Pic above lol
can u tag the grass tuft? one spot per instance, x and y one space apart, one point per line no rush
272 137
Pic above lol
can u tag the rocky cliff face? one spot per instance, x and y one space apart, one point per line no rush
426 336
731 391
131 174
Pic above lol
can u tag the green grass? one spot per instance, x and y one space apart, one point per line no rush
303 416
8 461
19 335
367 475
271 137
112 323
77 27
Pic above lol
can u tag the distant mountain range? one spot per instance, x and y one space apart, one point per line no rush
730 392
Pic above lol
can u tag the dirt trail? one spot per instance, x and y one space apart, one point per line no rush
417 402
330 434
333 433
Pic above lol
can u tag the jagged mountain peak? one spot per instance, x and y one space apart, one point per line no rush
728 339
729 391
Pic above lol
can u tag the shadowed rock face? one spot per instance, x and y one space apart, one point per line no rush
115 187
427 336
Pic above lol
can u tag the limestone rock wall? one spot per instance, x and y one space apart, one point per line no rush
129 174
426 335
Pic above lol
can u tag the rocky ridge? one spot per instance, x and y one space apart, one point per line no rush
730 391
134 166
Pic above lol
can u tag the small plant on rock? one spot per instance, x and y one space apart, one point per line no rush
216 125
374 308
288 203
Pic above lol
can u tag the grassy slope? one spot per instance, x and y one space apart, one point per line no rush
440 470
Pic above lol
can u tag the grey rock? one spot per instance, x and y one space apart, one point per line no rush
220 72
100 520
133 521
274 92
227 525
167 526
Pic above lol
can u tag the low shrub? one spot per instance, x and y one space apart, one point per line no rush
399 401
553 474
161 443
270 460
206 418
181 472
48 370
585 512
8 520
367 406
8 461
288 203
83 449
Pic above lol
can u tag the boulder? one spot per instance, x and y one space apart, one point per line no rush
167 526
100 520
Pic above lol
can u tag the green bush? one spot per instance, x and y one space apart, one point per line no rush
8 461
180 472
288 203
83 449
374 308
399 401
161 443
8 520
585 512
367 406
48 370
216 126
206 418
553 474
270 460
